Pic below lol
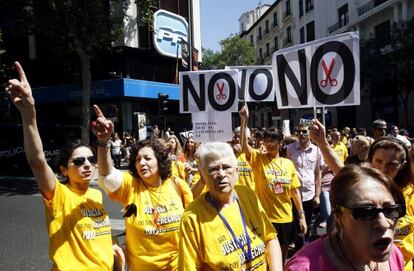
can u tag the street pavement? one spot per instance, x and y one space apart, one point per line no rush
23 238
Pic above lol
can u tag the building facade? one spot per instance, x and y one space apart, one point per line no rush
287 22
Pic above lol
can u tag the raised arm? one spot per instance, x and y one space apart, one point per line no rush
244 118
102 129
318 136
20 93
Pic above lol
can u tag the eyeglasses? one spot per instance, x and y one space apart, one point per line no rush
215 171
79 161
367 213
305 132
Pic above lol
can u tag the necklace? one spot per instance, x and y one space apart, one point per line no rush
341 249
156 208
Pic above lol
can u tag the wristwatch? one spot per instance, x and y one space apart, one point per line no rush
103 145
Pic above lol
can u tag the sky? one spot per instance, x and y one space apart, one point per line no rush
220 18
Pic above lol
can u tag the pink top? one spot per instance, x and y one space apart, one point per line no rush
313 257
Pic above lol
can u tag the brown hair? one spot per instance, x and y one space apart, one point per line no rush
352 174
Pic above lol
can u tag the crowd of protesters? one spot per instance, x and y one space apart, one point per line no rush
258 202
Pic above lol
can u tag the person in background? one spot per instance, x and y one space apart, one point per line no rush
359 150
192 176
339 147
277 184
395 132
345 135
308 161
175 154
379 128
116 146
226 228
77 222
366 207
154 201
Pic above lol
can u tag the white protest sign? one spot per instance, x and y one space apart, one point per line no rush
324 72
255 82
212 126
203 91
286 127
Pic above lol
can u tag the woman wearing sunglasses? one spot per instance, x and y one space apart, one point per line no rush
77 223
392 158
366 206
154 201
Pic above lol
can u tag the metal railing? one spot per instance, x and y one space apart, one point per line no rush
338 25
369 6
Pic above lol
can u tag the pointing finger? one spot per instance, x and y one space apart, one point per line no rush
98 111
21 72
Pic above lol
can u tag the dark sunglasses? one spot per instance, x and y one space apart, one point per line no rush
79 161
367 213
303 132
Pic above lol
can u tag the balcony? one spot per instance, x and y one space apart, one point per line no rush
369 6
338 25
287 14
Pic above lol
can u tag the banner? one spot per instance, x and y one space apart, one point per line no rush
324 72
205 91
255 83
212 126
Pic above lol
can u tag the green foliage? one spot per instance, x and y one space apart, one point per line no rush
147 12
236 51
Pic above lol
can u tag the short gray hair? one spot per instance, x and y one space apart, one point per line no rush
215 149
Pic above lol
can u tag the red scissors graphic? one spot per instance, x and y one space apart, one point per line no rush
221 94
328 72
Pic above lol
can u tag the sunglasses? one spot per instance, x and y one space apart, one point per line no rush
367 213
79 161
305 132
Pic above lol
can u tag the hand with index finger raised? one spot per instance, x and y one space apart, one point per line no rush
102 128
317 133
19 91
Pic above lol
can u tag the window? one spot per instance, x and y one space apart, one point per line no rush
310 31
274 19
300 8
383 34
267 49
287 7
259 34
266 26
289 34
302 35
343 15
260 54
251 39
276 41
309 5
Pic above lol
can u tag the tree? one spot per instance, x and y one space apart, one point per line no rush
236 51
80 29
387 65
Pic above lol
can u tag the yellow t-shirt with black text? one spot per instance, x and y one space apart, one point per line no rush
152 235
275 179
245 171
206 243
79 230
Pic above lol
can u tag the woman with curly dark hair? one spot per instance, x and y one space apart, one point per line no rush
153 199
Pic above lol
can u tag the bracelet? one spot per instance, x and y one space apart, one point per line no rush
103 145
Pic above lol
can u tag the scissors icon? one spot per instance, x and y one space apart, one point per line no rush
328 72
221 94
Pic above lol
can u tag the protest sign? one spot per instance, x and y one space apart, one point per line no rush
212 126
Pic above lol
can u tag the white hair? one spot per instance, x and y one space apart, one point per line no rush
237 130
215 149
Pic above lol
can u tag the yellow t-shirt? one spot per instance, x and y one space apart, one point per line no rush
246 176
341 150
206 243
177 169
404 233
79 230
275 179
152 235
